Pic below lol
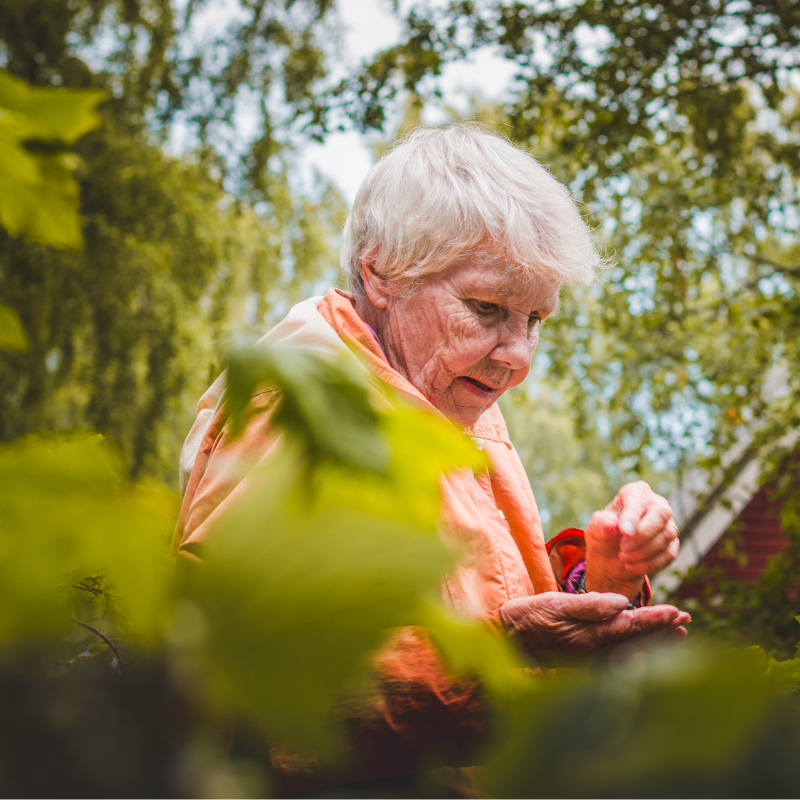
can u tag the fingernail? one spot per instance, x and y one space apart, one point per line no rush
618 600
627 527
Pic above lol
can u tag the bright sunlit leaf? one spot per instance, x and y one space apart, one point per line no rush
325 407
38 194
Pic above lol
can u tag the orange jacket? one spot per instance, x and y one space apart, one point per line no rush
493 516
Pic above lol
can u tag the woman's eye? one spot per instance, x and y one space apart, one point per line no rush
485 308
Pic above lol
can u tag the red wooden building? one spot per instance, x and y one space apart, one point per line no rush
735 528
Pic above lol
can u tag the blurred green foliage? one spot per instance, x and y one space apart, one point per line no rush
314 392
681 723
39 194
125 681
351 564
298 588
66 514
12 334
293 615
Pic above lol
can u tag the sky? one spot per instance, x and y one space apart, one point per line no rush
369 26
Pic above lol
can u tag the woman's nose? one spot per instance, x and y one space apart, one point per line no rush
514 351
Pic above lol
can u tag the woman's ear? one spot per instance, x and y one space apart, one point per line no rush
375 287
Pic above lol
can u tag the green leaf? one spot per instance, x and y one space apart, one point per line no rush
50 115
12 334
38 194
470 648
660 722
785 673
423 446
297 597
325 405
65 515
332 543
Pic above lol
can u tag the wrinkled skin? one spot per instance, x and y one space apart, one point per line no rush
557 628
475 320
462 339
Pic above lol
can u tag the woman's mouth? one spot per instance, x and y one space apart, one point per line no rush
477 387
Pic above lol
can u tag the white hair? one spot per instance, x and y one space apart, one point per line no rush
440 194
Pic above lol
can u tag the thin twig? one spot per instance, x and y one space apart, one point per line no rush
95 592
86 588
103 637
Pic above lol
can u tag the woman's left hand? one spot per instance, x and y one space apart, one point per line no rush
633 536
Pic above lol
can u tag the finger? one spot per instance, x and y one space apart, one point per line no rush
674 632
659 541
633 506
604 525
634 623
658 562
645 641
593 606
654 521
618 503
666 636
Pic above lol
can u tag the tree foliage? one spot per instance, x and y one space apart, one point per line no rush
677 125
194 62
179 261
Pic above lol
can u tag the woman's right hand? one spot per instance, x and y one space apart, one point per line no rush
559 628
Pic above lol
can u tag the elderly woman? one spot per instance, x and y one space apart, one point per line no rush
456 249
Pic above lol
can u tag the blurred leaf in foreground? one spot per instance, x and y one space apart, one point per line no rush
680 722
65 515
333 542
470 648
786 673
38 194
297 598
328 408
423 447
12 334
325 405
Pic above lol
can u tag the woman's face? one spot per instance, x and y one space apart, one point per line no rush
468 334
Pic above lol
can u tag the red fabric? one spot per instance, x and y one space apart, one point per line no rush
568 547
